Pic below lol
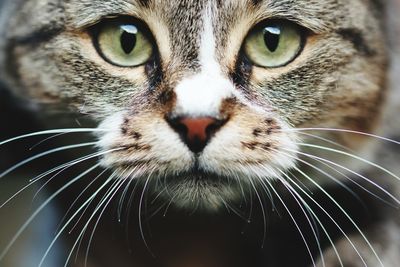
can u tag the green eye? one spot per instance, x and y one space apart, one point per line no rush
124 44
273 45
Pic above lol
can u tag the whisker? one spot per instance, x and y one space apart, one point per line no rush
239 182
169 205
344 131
332 219
336 204
110 189
356 183
313 226
84 205
130 203
301 183
294 221
41 176
263 212
55 131
140 213
156 211
73 162
45 140
98 207
78 197
314 215
125 192
48 181
34 215
326 140
351 171
159 194
352 156
24 162
233 209
123 181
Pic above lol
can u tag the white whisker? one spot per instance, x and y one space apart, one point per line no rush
71 163
41 176
325 140
123 181
306 215
45 140
122 199
140 212
98 207
294 221
344 131
354 157
262 210
55 131
333 220
313 213
351 171
354 182
84 205
337 205
34 215
40 155
78 197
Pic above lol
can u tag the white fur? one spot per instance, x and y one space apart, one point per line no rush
203 93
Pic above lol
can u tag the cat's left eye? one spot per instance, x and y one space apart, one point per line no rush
274 44
124 44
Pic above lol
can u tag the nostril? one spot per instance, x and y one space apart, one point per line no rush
196 132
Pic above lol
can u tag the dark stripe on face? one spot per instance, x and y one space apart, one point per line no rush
242 73
355 36
39 36
145 3
256 2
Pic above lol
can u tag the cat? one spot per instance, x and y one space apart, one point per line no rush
208 106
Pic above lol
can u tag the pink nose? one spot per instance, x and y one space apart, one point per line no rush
196 132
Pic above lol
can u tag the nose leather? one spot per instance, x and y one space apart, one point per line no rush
197 128
196 132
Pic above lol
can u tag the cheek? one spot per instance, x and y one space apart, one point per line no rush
143 140
251 143
326 97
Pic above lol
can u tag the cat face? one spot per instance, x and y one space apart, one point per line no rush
206 95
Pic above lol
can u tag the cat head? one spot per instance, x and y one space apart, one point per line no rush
205 95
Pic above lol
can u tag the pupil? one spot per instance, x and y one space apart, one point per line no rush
128 41
272 37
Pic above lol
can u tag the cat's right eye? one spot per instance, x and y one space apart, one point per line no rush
123 44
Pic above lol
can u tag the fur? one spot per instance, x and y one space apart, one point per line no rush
340 80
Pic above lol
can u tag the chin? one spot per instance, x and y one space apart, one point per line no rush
197 191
